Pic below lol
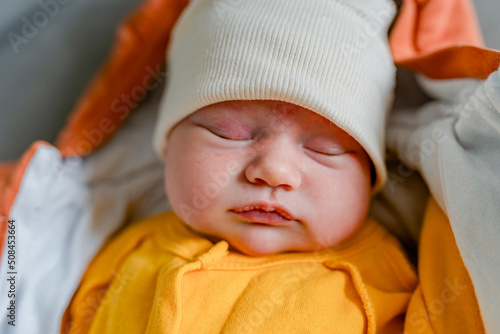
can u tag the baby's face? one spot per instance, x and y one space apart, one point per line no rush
267 177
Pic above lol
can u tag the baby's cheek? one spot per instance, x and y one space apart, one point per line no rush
170 185
181 200
177 183
340 203
192 191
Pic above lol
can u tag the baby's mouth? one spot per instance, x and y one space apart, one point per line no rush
264 214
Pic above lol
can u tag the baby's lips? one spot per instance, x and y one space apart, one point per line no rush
262 217
264 208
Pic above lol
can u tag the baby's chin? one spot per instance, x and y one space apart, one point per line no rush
262 247
250 246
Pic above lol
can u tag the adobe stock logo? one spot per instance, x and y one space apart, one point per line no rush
32 24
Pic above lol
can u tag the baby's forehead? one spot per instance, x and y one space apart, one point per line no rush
269 110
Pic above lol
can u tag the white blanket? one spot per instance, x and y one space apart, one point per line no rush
455 144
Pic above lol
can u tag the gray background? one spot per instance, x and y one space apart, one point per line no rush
39 84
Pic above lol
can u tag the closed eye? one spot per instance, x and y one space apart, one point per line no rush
328 152
227 135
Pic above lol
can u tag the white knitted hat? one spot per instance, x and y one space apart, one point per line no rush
329 56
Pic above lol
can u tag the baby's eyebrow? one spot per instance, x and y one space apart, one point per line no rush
229 118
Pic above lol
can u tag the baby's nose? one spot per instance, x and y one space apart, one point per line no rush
275 165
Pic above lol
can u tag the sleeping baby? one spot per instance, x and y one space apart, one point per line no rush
271 131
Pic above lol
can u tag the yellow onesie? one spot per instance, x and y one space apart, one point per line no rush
159 276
